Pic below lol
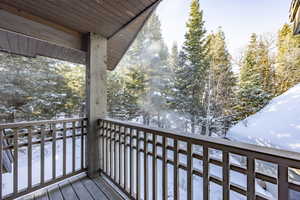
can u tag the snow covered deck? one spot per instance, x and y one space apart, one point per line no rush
82 188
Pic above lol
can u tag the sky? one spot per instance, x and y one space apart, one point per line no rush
238 19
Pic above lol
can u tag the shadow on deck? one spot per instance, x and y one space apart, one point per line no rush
78 188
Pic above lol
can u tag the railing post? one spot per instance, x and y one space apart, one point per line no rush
96 97
250 178
283 182
205 173
1 159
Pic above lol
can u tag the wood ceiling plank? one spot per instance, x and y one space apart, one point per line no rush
88 13
90 20
53 12
37 19
40 12
28 27
109 8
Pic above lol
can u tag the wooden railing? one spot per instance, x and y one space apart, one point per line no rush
59 144
124 147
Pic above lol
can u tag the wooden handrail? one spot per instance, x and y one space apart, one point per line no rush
240 147
37 133
38 123
120 139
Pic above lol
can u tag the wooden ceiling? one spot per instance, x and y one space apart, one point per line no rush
65 22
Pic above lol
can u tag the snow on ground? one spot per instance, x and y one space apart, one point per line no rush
277 125
7 184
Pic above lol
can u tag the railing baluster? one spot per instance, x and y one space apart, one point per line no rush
165 169
29 155
54 152
118 130
107 148
176 176
115 152
42 154
250 178
146 185
125 160
137 164
15 172
189 172
225 157
1 159
82 144
103 143
64 149
205 173
131 164
110 150
73 147
154 169
283 185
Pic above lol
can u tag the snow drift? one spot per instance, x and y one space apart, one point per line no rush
276 125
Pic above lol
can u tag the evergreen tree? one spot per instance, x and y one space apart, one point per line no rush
147 77
192 74
288 59
222 84
32 88
73 86
174 58
255 79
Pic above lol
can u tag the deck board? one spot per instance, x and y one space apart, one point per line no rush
82 188
93 189
81 191
55 193
41 197
67 192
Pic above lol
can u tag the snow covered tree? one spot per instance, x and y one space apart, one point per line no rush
147 74
222 82
192 74
73 86
31 88
288 59
255 79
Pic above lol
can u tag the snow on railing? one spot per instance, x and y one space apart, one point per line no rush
182 166
43 153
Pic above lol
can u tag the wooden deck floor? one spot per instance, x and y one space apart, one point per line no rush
82 188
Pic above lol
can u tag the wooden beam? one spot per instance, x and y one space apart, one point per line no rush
96 97
39 28
21 44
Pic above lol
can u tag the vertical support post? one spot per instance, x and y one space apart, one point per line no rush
226 171
189 172
283 182
96 97
176 171
205 173
250 178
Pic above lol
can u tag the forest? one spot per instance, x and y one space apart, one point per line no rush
193 88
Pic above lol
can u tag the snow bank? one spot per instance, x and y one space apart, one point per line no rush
277 125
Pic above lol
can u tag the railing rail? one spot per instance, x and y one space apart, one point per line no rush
25 139
129 151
